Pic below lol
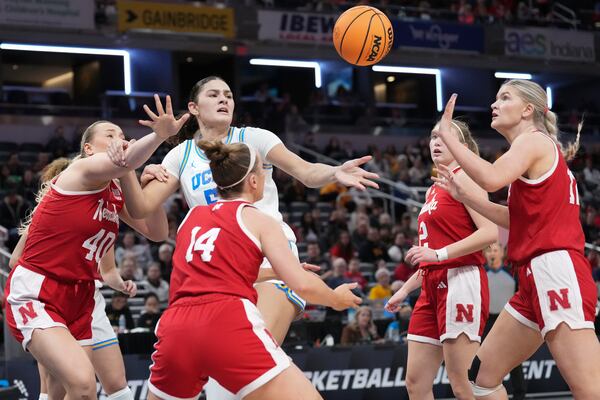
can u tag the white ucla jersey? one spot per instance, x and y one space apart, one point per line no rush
188 163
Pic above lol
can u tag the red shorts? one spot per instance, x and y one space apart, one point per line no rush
218 336
555 287
35 301
452 301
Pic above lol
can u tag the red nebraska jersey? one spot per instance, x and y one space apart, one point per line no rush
215 253
71 231
443 221
544 214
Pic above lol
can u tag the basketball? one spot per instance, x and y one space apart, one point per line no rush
363 35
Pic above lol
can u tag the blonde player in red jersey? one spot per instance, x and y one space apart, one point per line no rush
451 312
212 327
50 293
556 299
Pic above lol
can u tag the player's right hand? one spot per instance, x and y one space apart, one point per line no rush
345 297
116 151
394 304
152 172
164 124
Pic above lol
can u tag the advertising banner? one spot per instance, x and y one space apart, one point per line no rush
137 15
68 14
438 36
352 373
296 26
550 44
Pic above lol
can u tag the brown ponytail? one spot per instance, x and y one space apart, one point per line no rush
228 163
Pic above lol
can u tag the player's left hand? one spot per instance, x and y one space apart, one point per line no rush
129 288
165 124
418 254
350 174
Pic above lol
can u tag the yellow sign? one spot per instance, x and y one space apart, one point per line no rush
175 17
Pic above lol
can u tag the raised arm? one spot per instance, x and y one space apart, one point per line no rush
524 151
308 285
317 174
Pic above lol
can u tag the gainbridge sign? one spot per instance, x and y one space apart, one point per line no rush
210 21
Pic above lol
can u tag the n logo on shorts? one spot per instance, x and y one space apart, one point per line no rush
556 299
27 312
464 312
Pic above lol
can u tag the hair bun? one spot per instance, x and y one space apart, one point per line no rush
215 151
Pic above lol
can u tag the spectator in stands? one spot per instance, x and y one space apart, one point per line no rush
165 255
502 287
58 146
382 290
29 186
13 209
14 166
591 173
151 314
43 159
5 178
331 191
354 274
362 329
140 251
343 248
465 13
155 284
295 124
418 173
338 224
293 191
406 226
333 149
118 308
360 234
399 248
313 256
309 228
373 248
129 270
338 273
403 271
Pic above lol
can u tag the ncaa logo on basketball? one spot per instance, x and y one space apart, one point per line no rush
375 49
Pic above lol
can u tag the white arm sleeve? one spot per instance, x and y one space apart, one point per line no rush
262 140
173 159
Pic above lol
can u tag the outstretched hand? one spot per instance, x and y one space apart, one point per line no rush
164 124
351 174
446 180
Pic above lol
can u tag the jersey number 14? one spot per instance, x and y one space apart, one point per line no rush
205 243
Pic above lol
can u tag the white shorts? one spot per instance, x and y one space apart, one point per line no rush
103 334
292 296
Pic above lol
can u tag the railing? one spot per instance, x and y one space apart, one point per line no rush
565 14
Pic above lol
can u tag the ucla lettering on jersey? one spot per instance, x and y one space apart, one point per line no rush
191 166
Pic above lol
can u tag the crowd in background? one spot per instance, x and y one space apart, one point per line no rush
350 234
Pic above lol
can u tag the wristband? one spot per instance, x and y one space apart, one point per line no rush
442 254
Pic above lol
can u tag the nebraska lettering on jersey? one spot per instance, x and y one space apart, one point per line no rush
443 221
71 231
215 253
544 214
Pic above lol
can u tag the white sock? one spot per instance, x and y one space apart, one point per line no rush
214 391
43 396
123 394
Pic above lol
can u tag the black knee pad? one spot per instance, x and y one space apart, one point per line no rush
474 369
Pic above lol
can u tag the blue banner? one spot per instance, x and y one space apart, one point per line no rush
438 36
351 373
